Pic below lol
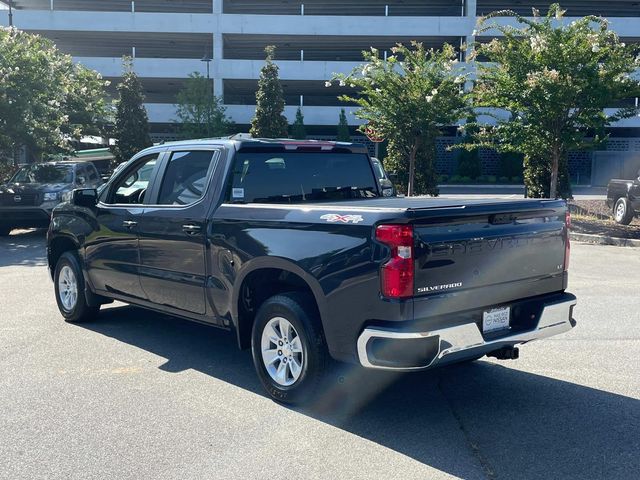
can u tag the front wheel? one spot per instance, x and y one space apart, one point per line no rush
622 212
69 285
288 348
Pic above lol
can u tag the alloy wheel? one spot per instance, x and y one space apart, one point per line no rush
68 288
282 351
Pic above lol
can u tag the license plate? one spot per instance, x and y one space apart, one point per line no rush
496 319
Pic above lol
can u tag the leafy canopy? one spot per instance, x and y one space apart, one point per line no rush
46 101
131 130
269 121
551 81
407 99
200 113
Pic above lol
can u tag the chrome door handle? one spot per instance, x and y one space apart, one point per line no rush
129 224
191 229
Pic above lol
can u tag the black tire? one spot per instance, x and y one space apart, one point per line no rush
622 212
5 231
77 311
300 311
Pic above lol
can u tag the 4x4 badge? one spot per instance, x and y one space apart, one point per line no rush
334 217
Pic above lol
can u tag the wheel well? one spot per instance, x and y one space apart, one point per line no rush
257 287
57 247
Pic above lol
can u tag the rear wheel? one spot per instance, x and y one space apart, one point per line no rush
288 347
622 212
69 287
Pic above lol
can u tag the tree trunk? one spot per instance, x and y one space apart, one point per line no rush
412 170
553 190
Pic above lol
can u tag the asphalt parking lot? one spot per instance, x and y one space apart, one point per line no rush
137 395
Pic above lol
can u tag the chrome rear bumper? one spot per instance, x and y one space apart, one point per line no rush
466 341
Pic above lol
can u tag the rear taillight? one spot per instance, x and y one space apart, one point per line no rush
567 244
396 275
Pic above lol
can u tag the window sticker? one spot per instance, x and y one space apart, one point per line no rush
237 193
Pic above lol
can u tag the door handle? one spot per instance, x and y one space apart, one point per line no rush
191 229
129 224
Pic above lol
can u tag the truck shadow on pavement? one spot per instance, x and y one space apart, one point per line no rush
25 248
479 420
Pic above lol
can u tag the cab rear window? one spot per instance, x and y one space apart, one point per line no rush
288 177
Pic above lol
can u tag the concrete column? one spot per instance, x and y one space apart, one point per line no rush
218 87
470 8
217 64
217 7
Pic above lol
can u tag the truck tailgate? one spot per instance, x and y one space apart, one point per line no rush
475 249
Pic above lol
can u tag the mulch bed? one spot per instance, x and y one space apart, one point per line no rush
594 217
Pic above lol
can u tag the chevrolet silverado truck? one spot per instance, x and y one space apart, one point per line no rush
623 197
27 199
292 246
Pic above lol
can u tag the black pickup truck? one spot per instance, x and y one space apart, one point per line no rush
292 246
623 197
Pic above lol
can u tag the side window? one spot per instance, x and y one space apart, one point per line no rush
185 179
131 187
93 173
81 175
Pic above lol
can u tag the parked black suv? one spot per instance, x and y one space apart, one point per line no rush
292 246
27 199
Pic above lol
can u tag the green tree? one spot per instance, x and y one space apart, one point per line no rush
200 113
407 100
46 101
297 129
131 130
554 78
510 164
469 164
269 121
343 127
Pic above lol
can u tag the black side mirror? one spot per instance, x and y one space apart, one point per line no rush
85 197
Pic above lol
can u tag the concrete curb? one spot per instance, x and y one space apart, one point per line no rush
604 240
492 186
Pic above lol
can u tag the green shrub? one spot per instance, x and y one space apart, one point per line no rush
455 179
503 180
492 178
511 164
465 180
443 178
516 179
469 164
483 179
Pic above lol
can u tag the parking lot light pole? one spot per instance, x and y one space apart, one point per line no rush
207 59
11 13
